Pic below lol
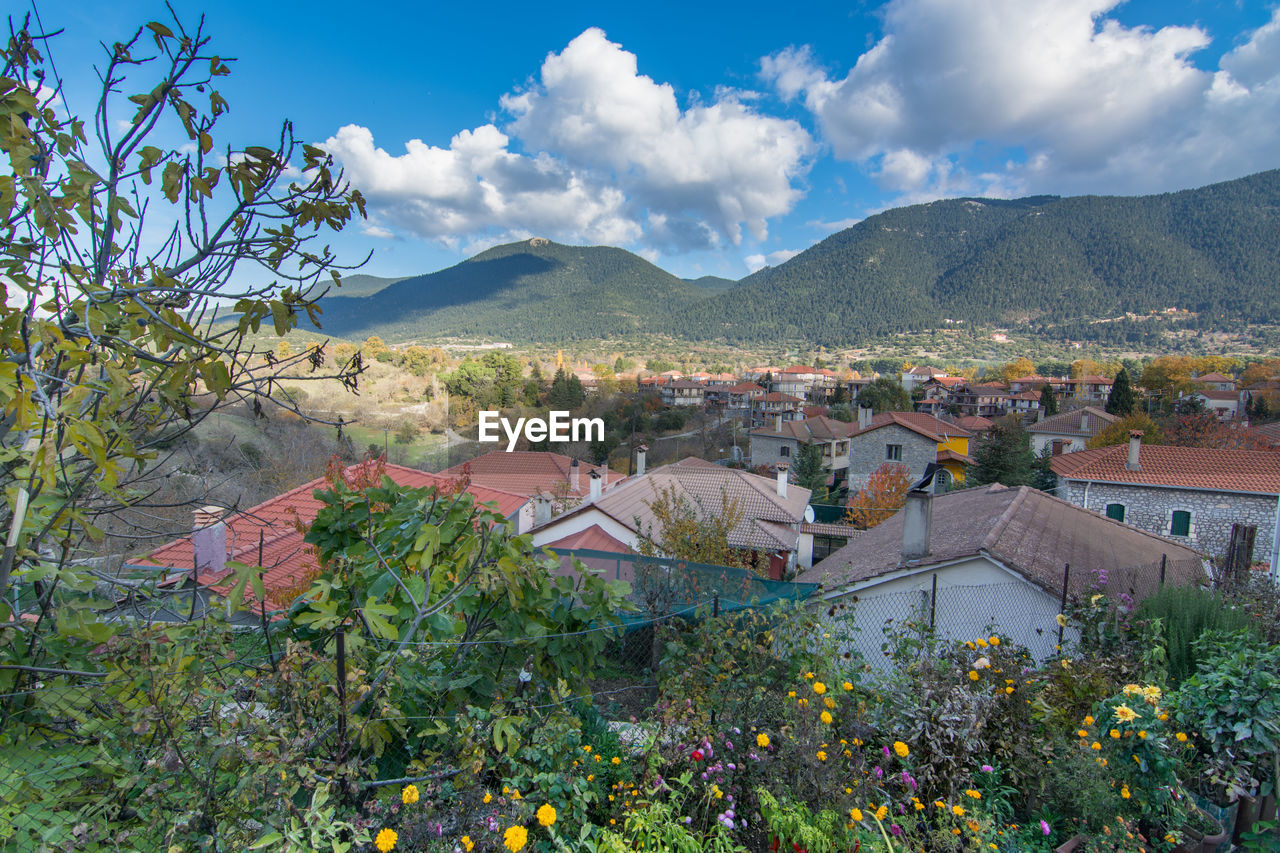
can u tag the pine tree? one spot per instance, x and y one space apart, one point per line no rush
1048 400
1004 456
1120 400
810 474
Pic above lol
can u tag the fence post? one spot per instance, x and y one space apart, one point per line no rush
1062 606
1164 561
715 606
342 693
933 602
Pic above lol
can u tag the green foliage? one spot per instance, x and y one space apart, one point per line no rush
811 473
1120 399
566 391
885 394
1003 456
1048 400
1186 613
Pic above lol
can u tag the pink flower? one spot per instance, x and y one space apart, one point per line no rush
987 768
1044 827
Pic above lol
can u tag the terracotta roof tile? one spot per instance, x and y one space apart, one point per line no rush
924 424
594 538
1249 471
528 472
1069 423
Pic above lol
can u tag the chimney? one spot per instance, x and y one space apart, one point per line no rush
596 483
1135 445
209 539
782 480
541 509
1039 414
917 522
640 457
777 423
864 417
1084 420
575 481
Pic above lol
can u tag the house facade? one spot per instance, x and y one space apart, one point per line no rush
1069 432
913 439
780 443
1191 495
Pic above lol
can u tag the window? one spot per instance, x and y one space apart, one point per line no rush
784 451
893 452
1180 525
1115 511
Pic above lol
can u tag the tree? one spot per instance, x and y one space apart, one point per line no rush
111 349
1120 399
1003 456
1203 429
1048 400
566 391
884 494
1118 432
885 395
810 472
688 530
1017 369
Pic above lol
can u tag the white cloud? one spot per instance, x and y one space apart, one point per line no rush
757 261
1083 102
378 232
595 152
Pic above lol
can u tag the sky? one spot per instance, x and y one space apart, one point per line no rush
716 138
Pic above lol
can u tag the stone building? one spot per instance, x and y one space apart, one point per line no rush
1187 494
913 439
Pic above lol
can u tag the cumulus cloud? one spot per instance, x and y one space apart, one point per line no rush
758 261
593 151
1083 102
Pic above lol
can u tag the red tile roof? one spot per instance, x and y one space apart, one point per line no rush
528 472
926 425
1213 377
778 397
287 559
594 538
1249 471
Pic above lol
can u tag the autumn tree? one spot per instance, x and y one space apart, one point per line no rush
884 494
117 248
1203 429
1017 369
684 528
1118 432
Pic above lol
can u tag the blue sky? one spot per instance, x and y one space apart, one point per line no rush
714 138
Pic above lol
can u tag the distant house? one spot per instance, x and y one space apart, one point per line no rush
919 375
990 558
1225 404
1092 389
1188 494
734 398
271 534
987 401
528 473
1215 382
780 443
771 513
913 439
1068 432
683 392
766 408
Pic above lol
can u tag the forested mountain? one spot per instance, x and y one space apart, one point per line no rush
531 290
1044 263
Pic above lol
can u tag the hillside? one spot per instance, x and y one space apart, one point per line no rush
531 290
1050 265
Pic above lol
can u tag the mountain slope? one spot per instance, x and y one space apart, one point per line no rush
531 290
1045 264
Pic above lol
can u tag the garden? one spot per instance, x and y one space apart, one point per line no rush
438 687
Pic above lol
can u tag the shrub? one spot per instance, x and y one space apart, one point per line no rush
1185 614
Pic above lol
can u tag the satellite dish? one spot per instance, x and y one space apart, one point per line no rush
808 514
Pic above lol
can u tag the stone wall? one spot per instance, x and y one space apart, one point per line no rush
867 452
767 450
1212 513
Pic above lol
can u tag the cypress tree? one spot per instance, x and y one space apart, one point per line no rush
1120 400
1048 400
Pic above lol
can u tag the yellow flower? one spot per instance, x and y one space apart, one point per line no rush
822 756
1125 714
1124 792
1163 717
829 702
994 640
847 685
386 840
615 760
819 688
1132 689
977 795
802 702
1181 736
591 777
1151 694
762 740
515 838
409 795
515 795
1008 690
973 825
958 811
1115 733
488 798
467 844
982 644
808 675
1095 745
826 717
1143 734
882 812
1088 721
791 694
973 675
1095 599
1061 620
901 749
586 749
856 814
1083 733
546 814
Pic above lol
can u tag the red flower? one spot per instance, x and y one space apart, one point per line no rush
696 755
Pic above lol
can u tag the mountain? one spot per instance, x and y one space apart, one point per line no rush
1044 264
531 290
